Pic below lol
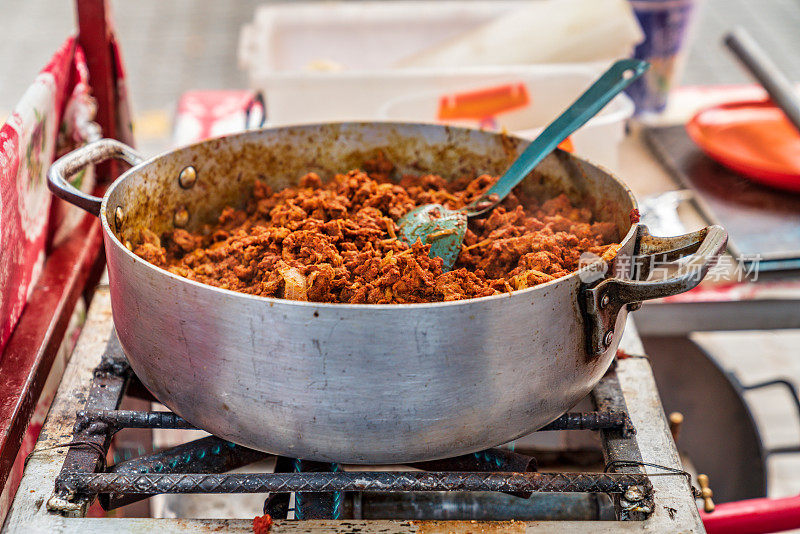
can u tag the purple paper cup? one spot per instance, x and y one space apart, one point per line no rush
666 26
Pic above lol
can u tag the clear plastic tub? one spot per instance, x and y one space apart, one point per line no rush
361 41
357 36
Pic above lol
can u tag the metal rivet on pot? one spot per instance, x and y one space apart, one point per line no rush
119 218
604 300
187 177
181 217
609 338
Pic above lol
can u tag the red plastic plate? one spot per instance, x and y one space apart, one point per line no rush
753 138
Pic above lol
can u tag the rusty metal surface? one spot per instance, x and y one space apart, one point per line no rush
106 391
606 420
185 463
488 460
204 455
58 427
619 445
483 460
212 455
317 505
74 483
117 419
245 526
674 508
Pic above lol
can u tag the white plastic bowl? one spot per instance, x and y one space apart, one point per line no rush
551 90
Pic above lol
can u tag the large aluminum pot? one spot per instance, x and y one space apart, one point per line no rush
363 383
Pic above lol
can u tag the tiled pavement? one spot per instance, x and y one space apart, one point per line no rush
175 45
773 23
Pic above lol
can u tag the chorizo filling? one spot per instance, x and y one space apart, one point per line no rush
337 242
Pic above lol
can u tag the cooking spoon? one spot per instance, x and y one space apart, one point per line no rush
444 228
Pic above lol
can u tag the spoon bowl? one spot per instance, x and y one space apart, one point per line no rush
442 228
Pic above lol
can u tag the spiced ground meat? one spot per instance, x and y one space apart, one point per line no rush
337 242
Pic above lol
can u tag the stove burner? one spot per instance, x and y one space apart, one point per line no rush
324 490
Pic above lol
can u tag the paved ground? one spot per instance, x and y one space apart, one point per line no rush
773 23
168 47
175 45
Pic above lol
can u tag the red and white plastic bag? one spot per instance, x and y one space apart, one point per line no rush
28 144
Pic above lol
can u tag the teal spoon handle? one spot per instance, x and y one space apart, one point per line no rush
609 85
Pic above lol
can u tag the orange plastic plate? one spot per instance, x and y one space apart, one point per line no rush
753 138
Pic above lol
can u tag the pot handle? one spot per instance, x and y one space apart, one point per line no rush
606 299
69 164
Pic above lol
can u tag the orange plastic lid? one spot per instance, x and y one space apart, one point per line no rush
753 138
483 103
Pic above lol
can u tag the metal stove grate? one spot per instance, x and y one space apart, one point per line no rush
202 466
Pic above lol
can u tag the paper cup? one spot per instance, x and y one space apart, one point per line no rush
666 25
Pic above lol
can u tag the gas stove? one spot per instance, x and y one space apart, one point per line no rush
612 467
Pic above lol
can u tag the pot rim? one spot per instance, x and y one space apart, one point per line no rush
632 231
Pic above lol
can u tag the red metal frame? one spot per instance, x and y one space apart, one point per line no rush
29 355
96 37
74 267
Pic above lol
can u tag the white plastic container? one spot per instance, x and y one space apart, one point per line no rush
551 89
358 36
286 44
413 95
